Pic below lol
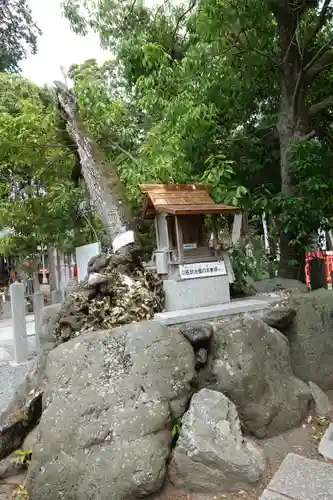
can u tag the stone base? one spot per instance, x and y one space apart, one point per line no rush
300 478
197 292
202 313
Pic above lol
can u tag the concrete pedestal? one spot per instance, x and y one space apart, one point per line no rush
210 312
198 292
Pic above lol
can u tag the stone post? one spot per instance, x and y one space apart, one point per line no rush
20 338
57 296
38 302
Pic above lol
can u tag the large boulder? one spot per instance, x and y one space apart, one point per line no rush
21 412
311 337
211 454
250 363
112 398
279 317
279 284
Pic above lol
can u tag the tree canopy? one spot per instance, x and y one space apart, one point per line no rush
233 91
18 34
37 198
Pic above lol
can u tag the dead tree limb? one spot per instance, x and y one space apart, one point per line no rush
106 191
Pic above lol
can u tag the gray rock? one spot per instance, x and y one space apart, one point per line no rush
11 377
250 363
278 283
311 337
211 454
279 317
105 432
48 321
31 439
199 334
324 407
201 357
9 466
20 416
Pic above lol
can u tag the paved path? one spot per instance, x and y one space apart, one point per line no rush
300 478
6 337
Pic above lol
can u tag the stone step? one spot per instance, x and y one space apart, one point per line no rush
301 478
209 312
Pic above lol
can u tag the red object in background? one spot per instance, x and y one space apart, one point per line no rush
75 271
327 256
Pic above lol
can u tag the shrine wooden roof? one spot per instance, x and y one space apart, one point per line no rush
180 199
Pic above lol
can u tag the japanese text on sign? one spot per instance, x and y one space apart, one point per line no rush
202 270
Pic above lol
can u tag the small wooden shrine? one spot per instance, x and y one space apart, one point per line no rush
194 274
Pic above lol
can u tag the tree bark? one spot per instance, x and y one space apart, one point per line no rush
102 180
292 126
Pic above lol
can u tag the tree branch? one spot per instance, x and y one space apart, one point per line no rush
300 73
261 132
320 23
326 61
270 58
182 17
320 106
325 48
307 137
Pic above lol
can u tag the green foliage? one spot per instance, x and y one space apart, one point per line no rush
176 429
18 34
250 263
21 493
312 172
37 198
221 176
201 82
23 456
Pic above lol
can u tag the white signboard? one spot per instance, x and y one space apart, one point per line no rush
202 270
190 246
122 240
83 255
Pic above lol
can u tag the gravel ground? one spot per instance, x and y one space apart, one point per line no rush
10 378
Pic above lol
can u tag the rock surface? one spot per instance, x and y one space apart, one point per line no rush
10 466
250 363
279 317
30 440
49 321
323 405
24 409
278 283
211 454
311 337
105 433
199 334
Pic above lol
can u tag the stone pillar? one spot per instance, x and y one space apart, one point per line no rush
6 310
20 338
57 297
38 302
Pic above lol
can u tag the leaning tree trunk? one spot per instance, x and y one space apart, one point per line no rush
102 180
